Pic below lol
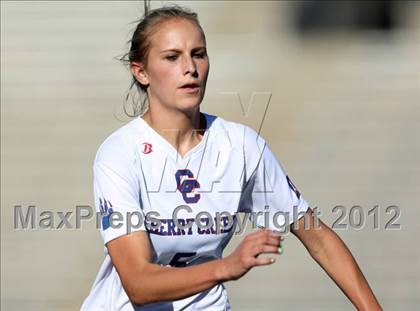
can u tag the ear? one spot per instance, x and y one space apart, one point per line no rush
139 72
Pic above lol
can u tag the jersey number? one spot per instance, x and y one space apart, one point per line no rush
186 184
181 259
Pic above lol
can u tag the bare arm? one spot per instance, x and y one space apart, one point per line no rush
146 282
326 247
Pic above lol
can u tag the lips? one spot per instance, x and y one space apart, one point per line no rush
190 85
191 88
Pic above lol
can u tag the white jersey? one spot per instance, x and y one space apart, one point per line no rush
136 172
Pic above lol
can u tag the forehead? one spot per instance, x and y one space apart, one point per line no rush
177 33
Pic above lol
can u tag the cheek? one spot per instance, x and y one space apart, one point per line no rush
205 66
165 77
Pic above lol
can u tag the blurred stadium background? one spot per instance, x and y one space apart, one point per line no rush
344 120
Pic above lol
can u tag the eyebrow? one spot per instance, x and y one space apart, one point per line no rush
180 51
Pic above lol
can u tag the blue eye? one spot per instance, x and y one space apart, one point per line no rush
171 57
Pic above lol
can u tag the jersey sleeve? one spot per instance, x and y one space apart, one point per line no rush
116 193
268 193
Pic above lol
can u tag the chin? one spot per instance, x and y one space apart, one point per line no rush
189 104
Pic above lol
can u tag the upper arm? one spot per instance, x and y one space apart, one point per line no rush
131 255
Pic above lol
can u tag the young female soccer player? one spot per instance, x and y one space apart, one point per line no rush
207 166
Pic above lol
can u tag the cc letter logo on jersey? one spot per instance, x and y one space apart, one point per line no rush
106 211
293 187
186 184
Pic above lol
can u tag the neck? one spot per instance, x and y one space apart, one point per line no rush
183 130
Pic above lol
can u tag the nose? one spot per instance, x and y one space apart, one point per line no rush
190 66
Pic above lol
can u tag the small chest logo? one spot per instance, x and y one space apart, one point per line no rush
147 148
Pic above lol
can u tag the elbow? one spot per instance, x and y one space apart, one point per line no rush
138 292
315 249
139 296
324 244
138 300
317 241
135 297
